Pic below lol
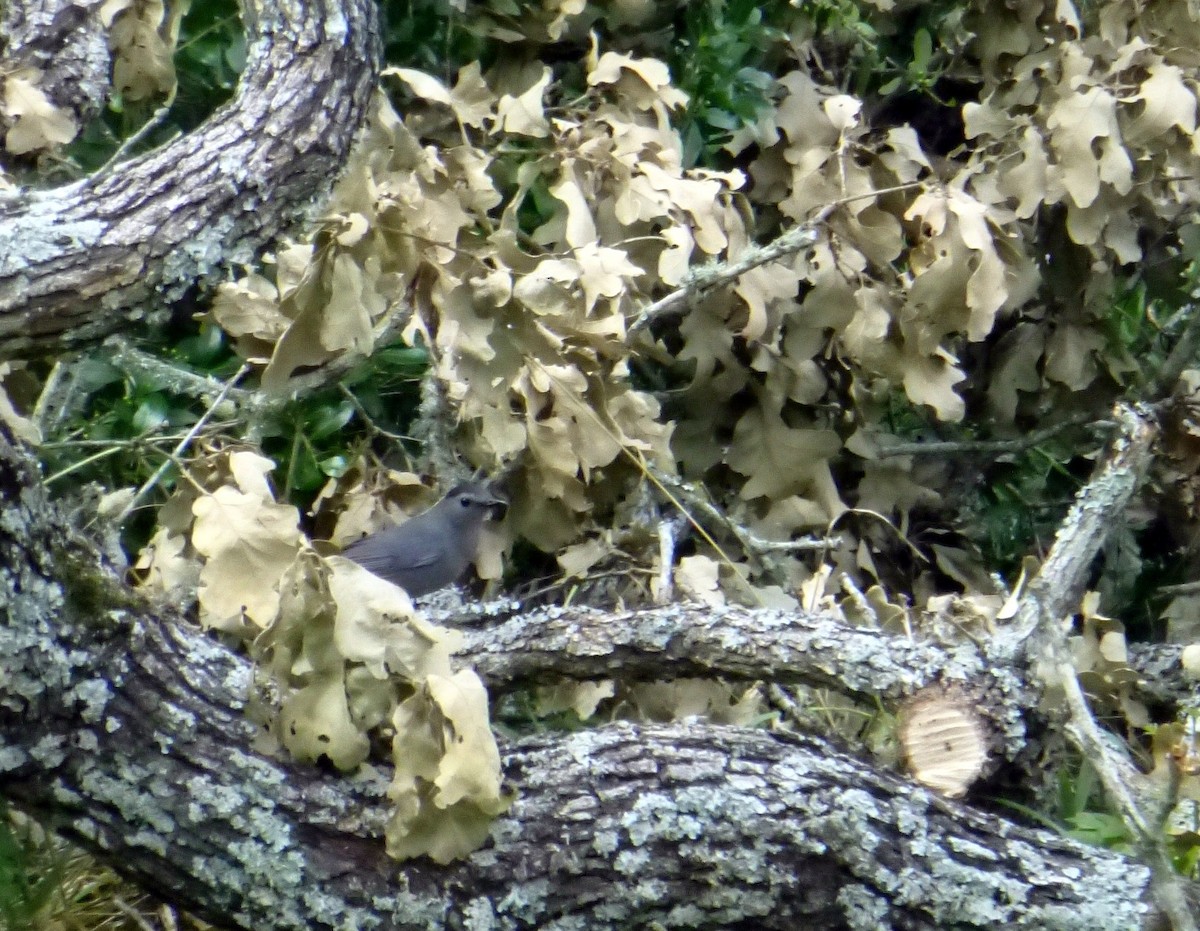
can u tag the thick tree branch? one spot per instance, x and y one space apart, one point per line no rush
125 729
88 258
616 827
680 640
65 42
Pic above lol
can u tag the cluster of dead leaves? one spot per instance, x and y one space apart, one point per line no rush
528 330
1099 121
921 259
346 654
1084 130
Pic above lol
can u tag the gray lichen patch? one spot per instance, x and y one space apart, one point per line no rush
94 695
12 758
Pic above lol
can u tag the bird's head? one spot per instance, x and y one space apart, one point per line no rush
473 501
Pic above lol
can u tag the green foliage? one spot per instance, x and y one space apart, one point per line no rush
28 882
911 423
1185 851
723 58
1078 810
208 61
209 58
1138 342
921 72
120 424
1081 809
48 885
1082 813
320 435
124 426
431 35
1015 509
890 54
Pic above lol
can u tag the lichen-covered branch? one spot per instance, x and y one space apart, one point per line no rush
679 640
1054 595
684 825
64 44
92 257
124 727
1056 590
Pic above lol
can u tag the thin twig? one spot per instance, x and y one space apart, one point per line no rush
109 450
132 914
134 443
369 421
177 379
667 531
1183 588
1015 445
807 545
705 277
750 542
183 445
142 132
859 600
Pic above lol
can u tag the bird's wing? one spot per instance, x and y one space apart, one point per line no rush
379 554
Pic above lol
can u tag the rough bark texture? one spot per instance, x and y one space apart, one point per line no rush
89 258
679 640
1161 676
124 727
65 41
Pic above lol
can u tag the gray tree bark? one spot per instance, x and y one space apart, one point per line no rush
123 726
65 41
84 260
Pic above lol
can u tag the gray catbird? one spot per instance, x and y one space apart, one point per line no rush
433 549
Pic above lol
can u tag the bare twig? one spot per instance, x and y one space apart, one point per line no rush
714 274
183 445
704 277
110 449
1015 445
859 600
177 379
143 131
434 428
370 421
1183 588
132 914
751 543
667 531
807 545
